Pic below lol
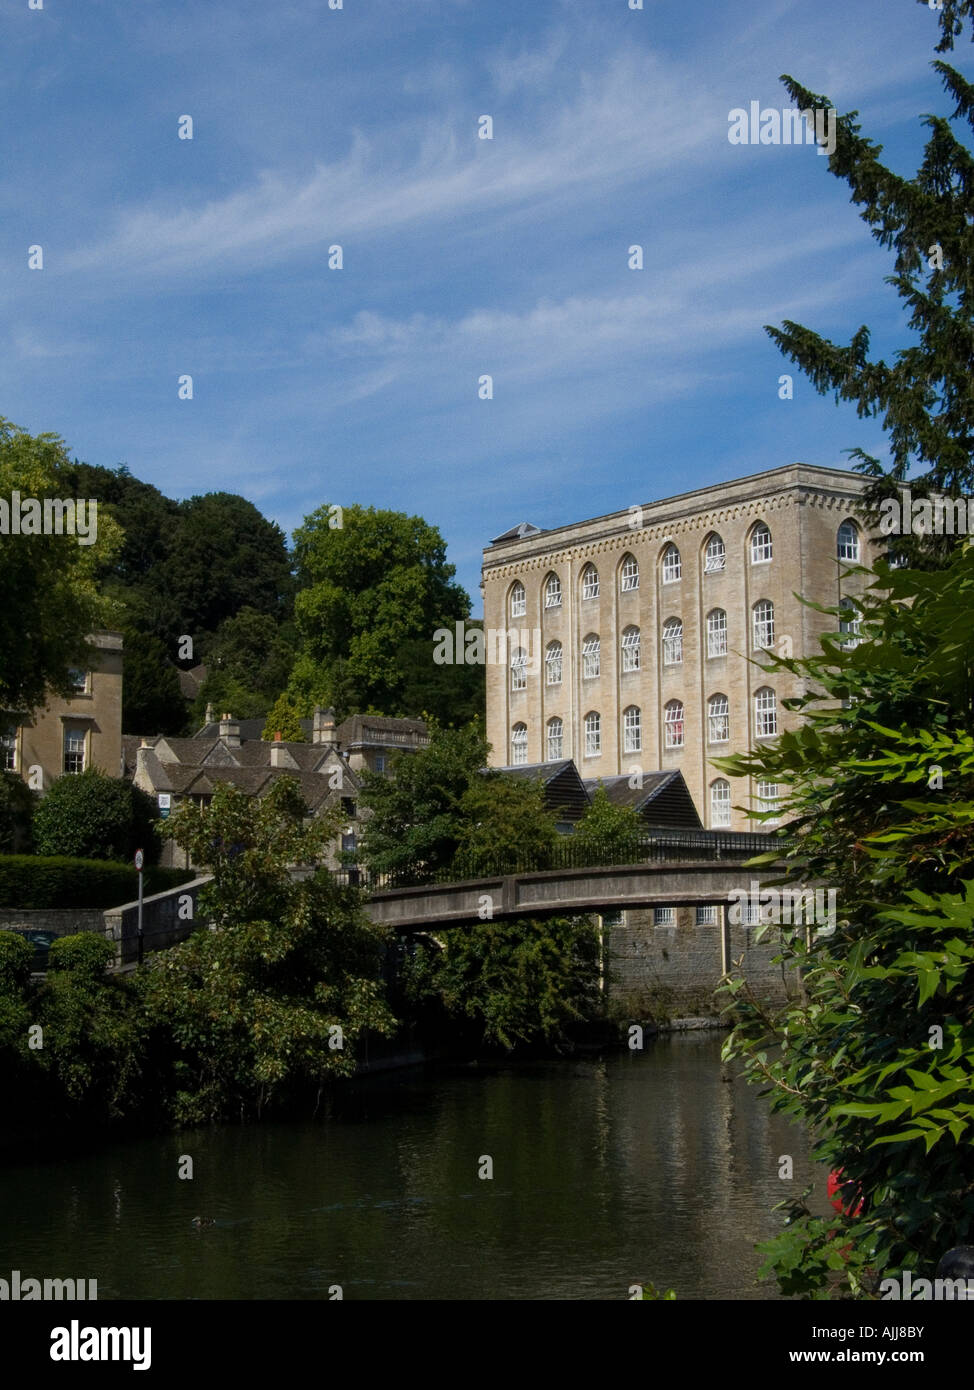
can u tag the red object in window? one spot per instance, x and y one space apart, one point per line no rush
843 1203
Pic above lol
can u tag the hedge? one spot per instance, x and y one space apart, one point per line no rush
38 881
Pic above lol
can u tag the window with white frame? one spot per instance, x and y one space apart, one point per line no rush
664 916
630 649
849 624
8 748
629 575
519 603
847 541
673 724
590 582
707 915
717 632
751 913
554 750
768 801
714 555
552 592
765 713
519 744
760 544
720 804
552 663
79 681
672 565
673 642
519 669
763 624
718 719
593 734
591 657
74 750
632 730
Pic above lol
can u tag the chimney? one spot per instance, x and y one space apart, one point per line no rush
277 751
323 731
230 731
210 715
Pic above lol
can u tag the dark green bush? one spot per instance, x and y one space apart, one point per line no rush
91 816
35 881
17 803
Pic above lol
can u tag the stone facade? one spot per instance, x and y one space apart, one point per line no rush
72 732
661 971
714 572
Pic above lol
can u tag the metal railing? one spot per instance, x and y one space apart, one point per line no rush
657 847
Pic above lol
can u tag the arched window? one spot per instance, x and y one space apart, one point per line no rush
591 656
720 804
519 744
760 544
717 632
765 713
847 542
519 669
714 555
673 642
8 748
672 565
552 663
768 802
718 719
629 575
763 623
519 604
630 649
849 624
556 740
632 730
593 734
673 724
552 592
590 582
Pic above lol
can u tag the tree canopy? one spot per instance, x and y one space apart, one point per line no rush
51 598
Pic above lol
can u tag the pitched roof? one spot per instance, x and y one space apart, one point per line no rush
663 799
517 533
564 790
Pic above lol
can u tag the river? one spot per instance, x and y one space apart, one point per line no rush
607 1171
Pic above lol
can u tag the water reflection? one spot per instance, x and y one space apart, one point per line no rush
655 1165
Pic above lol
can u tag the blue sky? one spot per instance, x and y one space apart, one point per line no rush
462 256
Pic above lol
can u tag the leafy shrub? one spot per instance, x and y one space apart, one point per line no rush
34 881
91 816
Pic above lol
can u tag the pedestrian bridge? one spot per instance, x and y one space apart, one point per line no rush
706 871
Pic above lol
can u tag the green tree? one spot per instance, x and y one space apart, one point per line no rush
94 1032
152 700
16 814
271 1004
16 1016
923 398
92 816
369 592
877 1056
609 831
417 821
51 599
284 718
511 984
504 820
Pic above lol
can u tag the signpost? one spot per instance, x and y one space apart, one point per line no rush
139 861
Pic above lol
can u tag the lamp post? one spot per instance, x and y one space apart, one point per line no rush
139 860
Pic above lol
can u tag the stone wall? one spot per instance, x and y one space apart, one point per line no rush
61 921
166 919
668 972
